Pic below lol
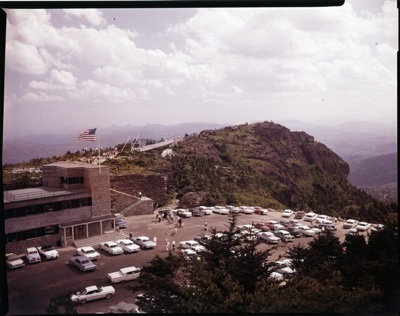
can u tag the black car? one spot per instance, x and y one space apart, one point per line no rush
295 232
197 212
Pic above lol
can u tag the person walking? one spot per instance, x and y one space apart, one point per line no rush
130 234
155 240
175 231
173 245
167 246
205 226
180 222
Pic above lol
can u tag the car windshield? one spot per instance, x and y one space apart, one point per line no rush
32 252
89 251
85 261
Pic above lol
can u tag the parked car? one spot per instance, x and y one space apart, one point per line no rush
189 254
306 230
13 261
83 263
223 211
262 226
124 308
299 215
235 210
32 255
48 252
261 211
363 226
248 210
330 227
191 244
310 217
144 242
121 223
183 213
111 247
295 231
272 223
287 213
127 245
321 218
350 223
377 227
268 237
88 252
352 231
206 210
202 239
197 212
124 274
93 292
284 235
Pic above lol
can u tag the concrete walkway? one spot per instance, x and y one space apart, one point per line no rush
96 240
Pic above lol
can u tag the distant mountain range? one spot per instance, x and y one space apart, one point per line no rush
352 141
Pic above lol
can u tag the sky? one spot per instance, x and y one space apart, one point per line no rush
74 69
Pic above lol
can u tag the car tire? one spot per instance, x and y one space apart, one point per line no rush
109 295
83 301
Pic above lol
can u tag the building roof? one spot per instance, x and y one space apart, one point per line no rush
36 193
74 164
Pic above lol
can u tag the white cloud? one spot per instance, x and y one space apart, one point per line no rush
25 58
93 16
40 97
62 77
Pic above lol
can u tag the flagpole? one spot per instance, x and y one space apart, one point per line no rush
99 152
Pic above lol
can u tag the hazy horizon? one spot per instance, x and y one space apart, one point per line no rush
70 70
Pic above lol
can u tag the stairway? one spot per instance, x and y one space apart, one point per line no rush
96 240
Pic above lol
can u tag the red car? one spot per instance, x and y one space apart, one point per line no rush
261 226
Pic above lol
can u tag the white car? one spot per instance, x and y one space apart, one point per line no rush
124 274
125 308
189 254
192 244
363 226
268 237
13 261
321 218
111 247
221 211
183 213
350 223
284 235
32 255
307 230
88 252
261 211
248 210
49 252
127 245
93 292
207 211
310 217
144 242
287 213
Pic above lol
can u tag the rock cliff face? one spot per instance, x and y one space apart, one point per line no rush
264 160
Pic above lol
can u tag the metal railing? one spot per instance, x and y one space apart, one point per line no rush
39 194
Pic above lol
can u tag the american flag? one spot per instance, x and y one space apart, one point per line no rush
88 135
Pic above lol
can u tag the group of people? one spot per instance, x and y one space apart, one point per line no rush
167 245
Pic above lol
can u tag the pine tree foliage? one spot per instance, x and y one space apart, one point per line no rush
233 276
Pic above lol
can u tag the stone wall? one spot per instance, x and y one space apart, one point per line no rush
151 186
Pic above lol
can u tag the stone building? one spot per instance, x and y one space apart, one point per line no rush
74 203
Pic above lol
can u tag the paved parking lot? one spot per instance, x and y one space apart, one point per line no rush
31 287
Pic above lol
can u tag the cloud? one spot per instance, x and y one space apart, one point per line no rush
40 97
93 16
25 58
